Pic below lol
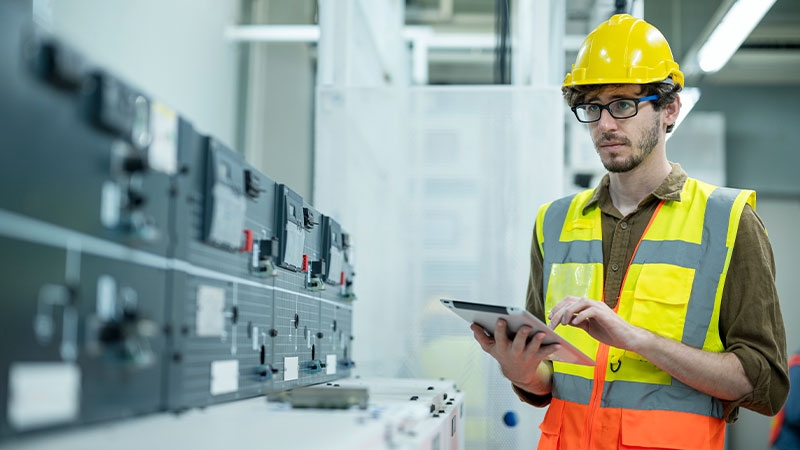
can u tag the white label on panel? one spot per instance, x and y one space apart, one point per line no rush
109 204
330 364
295 242
224 376
336 263
210 311
43 393
227 222
255 338
163 152
291 368
106 297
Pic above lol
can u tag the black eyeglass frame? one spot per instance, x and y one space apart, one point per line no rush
635 101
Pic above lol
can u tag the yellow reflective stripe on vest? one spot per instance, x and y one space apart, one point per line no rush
673 287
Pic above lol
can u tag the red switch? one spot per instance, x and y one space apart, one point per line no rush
248 241
305 263
341 278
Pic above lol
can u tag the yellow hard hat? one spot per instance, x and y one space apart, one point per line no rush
624 50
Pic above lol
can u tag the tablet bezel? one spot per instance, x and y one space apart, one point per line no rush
486 315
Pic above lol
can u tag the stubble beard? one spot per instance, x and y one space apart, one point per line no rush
646 145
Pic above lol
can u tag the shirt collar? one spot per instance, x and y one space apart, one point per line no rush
670 189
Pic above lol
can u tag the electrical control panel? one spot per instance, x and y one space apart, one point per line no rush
147 266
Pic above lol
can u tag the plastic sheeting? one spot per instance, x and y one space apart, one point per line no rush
439 188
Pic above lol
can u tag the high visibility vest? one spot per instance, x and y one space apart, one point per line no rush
672 287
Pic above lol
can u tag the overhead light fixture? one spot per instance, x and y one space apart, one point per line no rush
730 32
689 97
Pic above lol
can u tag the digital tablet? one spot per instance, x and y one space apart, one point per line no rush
486 315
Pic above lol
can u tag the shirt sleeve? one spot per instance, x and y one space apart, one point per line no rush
534 303
751 324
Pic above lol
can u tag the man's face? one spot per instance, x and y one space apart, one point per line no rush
624 143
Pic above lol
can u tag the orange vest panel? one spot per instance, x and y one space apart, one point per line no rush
626 429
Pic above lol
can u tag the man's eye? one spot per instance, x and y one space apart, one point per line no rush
623 105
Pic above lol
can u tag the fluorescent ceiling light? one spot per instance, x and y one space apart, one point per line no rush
731 31
273 33
689 97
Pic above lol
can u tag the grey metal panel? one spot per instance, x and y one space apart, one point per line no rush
22 279
120 357
120 368
49 144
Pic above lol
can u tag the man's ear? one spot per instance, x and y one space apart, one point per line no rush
672 110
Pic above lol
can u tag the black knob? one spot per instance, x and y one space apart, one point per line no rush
136 199
134 164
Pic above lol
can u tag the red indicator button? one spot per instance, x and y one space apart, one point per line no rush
248 241
305 263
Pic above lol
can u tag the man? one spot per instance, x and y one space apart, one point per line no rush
666 281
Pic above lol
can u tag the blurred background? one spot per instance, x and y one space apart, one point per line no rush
433 130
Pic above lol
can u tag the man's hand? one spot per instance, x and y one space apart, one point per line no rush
522 362
597 319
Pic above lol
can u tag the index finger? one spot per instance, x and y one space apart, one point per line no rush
565 310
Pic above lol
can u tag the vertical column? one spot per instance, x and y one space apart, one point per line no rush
538 42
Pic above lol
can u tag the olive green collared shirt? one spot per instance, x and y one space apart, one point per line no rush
750 321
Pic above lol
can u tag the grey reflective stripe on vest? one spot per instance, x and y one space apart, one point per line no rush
572 388
701 301
583 252
712 251
640 396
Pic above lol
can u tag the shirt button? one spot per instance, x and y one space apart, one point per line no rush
624 225
615 267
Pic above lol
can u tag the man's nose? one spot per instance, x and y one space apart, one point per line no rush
606 121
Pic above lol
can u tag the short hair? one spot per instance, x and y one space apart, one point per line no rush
666 90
